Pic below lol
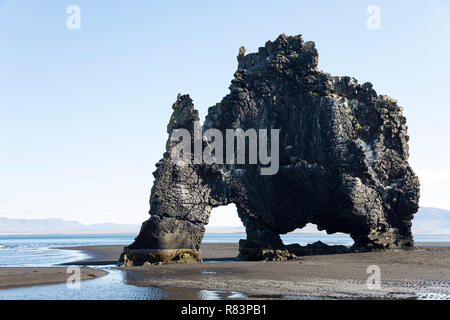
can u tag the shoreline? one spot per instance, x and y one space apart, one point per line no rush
97 255
421 273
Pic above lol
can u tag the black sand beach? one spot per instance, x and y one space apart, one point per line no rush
420 273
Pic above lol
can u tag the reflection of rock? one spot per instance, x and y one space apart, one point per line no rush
343 161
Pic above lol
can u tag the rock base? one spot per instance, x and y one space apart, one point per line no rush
140 257
383 240
249 251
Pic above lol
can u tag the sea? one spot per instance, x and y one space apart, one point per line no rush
39 251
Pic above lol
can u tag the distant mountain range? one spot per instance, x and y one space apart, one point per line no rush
426 221
59 226
431 221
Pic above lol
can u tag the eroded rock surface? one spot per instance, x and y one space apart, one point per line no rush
343 161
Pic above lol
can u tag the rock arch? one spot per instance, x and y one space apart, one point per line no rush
343 164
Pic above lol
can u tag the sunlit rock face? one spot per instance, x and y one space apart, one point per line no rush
343 161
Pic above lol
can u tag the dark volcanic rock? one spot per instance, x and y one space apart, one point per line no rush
343 160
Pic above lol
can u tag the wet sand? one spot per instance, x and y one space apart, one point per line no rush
420 273
12 277
98 255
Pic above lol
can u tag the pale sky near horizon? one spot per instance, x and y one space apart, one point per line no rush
83 113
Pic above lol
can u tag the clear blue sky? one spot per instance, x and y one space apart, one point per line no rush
83 113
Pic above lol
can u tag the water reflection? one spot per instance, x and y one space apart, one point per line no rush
109 287
113 286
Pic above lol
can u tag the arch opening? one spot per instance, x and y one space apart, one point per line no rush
222 234
224 220
310 234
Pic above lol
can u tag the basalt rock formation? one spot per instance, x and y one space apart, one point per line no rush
343 164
